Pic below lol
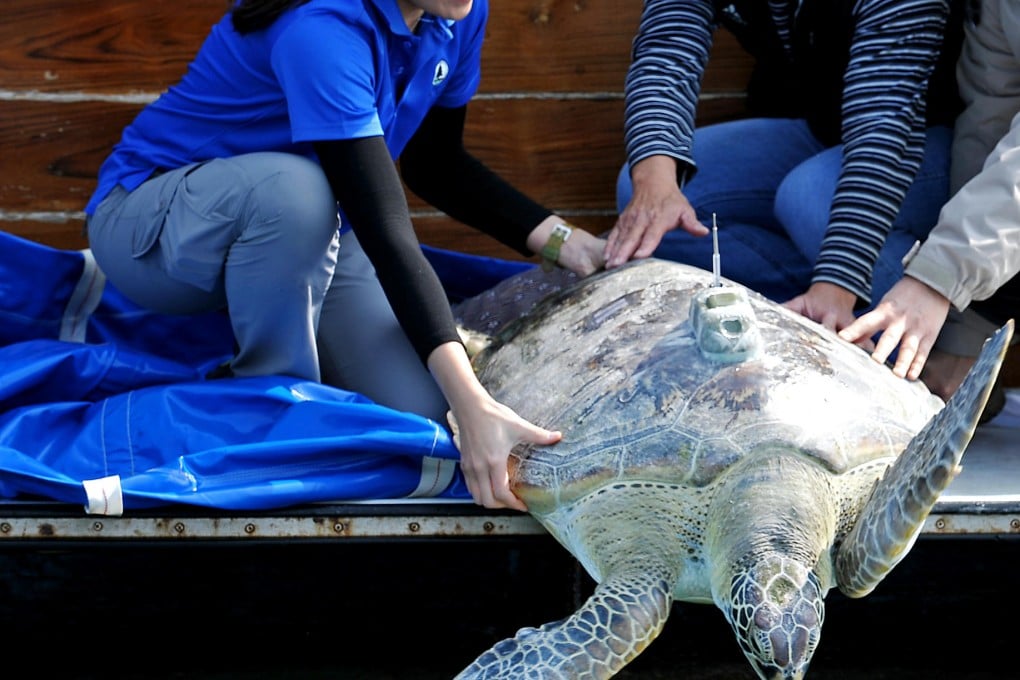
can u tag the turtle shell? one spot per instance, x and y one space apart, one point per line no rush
617 363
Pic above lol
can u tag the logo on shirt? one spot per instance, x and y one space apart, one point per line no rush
442 70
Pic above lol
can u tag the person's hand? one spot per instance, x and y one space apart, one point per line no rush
484 433
826 303
484 430
656 206
910 317
583 253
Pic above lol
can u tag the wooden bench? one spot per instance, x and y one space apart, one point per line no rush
548 117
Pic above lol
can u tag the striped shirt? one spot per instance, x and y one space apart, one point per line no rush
894 49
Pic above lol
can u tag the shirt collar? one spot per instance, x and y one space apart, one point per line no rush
390 10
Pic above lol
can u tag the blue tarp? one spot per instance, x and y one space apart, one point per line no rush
104 404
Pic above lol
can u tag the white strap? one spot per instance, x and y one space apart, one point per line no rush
436 475
105 496
83 301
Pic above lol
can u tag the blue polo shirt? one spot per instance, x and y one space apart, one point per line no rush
326 70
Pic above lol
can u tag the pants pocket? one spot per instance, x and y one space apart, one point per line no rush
144 215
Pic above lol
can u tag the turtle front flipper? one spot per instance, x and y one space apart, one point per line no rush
895 513
474 341
622 617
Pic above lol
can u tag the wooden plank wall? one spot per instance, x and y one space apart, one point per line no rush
548 115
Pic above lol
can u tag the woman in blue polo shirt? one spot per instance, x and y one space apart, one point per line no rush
226 192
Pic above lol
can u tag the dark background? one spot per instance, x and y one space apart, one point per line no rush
424 610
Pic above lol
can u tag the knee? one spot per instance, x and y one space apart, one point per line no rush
803 202
299 195
624 189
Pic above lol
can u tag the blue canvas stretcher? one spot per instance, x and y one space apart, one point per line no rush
104 404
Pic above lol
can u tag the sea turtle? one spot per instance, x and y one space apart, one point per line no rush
717 448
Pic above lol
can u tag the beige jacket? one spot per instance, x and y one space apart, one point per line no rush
975 247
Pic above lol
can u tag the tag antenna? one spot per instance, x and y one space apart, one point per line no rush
715 253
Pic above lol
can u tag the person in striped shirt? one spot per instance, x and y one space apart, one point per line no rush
839 167
962 283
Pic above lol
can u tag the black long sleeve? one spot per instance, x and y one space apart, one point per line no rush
366 185
436 166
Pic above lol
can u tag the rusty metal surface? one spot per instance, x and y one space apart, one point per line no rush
226 526
384 520
38 525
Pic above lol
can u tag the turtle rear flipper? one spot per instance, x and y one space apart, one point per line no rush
895 513
621 618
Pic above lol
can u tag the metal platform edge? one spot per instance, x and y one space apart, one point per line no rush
54 522
361 521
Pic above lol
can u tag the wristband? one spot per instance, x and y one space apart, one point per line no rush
551 250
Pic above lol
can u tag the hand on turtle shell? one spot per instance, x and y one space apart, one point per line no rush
827 304
656 206
580 252
910 317
484 432
583 253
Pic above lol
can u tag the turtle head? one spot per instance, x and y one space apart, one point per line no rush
776 609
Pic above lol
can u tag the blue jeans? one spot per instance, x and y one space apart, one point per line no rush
770 184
